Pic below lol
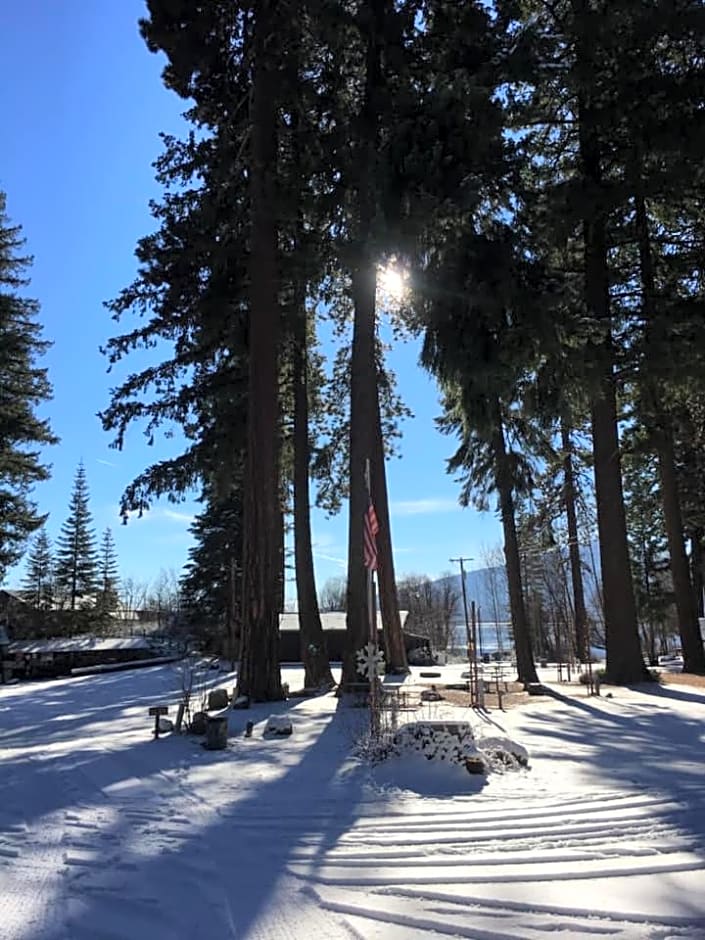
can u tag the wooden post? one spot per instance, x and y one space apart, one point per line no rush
157 711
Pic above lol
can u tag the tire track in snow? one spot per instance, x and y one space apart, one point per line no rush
384 875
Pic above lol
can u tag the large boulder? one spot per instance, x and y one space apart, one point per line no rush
218 700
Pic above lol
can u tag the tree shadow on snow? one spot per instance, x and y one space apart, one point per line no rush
647 746
153 875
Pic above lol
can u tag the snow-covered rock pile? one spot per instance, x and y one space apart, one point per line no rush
457 745
437 743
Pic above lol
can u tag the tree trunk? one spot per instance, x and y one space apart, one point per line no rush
526 667
363 394
394 649
362 405
688 627
259 675
696 568
625 663
314 653
582 640
232 610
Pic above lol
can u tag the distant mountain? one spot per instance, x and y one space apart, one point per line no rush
488 588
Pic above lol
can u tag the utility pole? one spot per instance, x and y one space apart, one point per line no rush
471 645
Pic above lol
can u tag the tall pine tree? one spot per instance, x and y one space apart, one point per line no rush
23 386
108 575
38 583
76 555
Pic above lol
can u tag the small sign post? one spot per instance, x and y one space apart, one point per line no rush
157 711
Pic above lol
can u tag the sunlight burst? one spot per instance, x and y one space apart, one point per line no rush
393 282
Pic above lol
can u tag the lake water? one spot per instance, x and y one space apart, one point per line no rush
490 637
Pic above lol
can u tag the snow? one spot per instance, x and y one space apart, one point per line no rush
107 834
80 644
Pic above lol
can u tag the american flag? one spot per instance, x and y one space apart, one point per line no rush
371 529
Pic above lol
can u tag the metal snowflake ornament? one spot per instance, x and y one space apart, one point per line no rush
370 661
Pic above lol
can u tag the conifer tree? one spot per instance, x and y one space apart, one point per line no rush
76 555
211 582
568 121
108 575
38 583
23 386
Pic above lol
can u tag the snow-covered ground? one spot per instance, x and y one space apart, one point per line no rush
106 834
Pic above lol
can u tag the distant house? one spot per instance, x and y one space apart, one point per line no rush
333 623
58 656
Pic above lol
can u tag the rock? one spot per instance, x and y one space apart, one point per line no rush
278 726
198 723
216 733
475 765
165 724
218 699
242 701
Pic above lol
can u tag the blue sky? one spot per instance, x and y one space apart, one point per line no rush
82 106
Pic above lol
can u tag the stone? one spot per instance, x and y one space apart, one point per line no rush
216 733
165 724
475 765
242 701
278 726
218 699
198 723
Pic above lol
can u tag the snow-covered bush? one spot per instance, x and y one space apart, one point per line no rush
502 753
374 748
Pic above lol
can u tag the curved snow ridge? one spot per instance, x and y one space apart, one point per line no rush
629 857
617 800
530 872
480 918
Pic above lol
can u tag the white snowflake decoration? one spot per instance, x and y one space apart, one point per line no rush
370 661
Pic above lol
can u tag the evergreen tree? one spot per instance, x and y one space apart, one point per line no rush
23 386
38 583
76 555
211 581
108 575
647 542
563 101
